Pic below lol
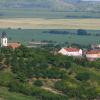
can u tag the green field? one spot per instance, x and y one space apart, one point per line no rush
26 35
38 13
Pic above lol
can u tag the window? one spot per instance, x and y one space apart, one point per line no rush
5 41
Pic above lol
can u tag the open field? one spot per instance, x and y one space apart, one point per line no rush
26 35
27 29
45 13
36 23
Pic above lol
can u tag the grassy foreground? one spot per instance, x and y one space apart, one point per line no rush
6 95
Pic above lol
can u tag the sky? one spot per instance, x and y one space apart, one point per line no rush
91 0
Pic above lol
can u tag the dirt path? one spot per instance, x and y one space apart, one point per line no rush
52 90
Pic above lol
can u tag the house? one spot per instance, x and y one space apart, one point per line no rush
14 45
76 52
93 55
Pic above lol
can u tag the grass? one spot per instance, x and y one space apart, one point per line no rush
44 13
6 95
26 35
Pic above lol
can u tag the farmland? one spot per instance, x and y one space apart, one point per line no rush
26 35
24 25
38 23
44 13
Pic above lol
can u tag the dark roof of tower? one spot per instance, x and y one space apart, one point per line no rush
4 34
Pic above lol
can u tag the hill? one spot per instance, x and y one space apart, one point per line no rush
37 74
53 5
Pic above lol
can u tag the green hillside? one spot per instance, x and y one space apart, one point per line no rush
6 95
38 74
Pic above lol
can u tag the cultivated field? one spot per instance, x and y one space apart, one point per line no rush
26 35
45 13
39 23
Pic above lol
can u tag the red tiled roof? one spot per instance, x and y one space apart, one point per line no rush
14 45
72 49
93 52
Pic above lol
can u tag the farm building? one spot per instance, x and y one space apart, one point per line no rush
76 52
93 55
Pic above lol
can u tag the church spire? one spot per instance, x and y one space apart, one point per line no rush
3 35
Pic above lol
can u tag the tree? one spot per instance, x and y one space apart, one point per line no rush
81 32
84 76
38 83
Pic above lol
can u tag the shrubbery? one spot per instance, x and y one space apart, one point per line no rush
71 77
84 76
38 83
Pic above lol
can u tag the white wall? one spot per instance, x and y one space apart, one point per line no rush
93 55
3 42
64 52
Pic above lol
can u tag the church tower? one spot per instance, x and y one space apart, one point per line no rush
4 39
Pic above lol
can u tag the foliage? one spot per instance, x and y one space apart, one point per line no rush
34 91
38 83
84 76
81 32
67 77
5 78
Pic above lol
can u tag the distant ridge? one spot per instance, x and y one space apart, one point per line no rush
54 5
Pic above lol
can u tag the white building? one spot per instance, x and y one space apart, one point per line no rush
93 54
71 52
4 40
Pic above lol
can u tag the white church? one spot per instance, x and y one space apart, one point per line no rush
4 42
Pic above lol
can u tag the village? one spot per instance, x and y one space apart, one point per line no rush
91 55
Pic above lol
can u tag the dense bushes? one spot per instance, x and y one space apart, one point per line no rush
38 83
84 76
73 77
81 91
81 32
34 91
5 78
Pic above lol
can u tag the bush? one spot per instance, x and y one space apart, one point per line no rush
83 76
38 83
81 32
5 78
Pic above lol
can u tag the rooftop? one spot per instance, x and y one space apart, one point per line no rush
93 52
72 49
14 45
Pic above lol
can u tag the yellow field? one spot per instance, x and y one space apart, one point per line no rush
36 23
